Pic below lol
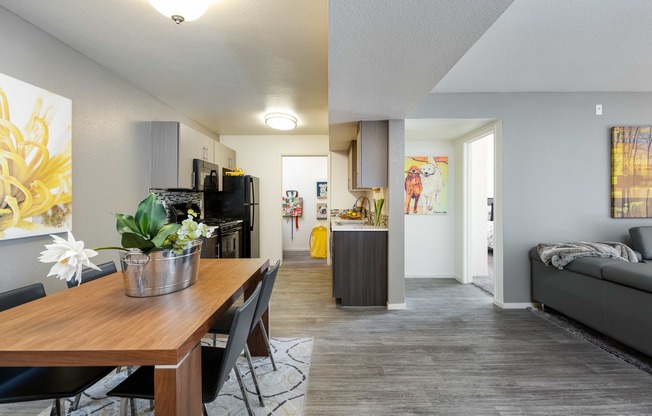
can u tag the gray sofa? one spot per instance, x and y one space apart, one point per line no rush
609 295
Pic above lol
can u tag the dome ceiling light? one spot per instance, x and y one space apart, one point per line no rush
181 10
281 121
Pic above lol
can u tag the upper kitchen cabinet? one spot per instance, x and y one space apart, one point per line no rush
174 146
224 156
368 156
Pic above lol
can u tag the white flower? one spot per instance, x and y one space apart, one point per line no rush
70 256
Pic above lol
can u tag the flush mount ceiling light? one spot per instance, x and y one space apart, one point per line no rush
280 121
181 10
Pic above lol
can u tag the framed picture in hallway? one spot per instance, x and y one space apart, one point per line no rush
322 189
322 210
631 172
426 185
36 164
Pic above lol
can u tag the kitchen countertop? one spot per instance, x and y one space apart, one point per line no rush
354 226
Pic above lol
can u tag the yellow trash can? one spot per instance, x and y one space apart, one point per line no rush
318 242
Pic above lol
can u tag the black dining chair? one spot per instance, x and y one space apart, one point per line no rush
23 384
224 323
216 364
89 274
21 295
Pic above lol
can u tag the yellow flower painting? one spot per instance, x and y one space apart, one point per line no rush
35 160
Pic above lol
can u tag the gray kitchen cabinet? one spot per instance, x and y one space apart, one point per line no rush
368 156
174 146
224 156
359 264
353 165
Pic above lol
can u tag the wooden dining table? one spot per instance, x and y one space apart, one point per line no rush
96 324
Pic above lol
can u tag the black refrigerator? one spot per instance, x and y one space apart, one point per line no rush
238 200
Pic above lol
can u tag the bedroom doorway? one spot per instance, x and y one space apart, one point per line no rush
481 224
481 210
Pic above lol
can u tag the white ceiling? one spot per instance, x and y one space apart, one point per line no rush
333 62
384 56
560 46
243 58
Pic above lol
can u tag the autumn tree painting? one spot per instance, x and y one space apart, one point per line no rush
631 172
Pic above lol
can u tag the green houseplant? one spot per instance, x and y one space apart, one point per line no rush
147 229
151 249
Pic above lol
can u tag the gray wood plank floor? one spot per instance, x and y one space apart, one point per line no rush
452 352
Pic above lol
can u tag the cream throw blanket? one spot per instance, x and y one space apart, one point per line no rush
560 254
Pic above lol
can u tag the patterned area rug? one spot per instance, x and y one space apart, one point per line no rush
619 350
284 391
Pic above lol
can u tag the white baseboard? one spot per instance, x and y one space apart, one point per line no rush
513 305
429 276
396 306
297 249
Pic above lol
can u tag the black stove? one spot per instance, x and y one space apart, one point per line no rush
226 225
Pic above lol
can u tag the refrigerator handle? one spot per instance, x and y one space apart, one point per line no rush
252 190
253 217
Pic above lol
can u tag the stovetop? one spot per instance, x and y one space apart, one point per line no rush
218 221
224 224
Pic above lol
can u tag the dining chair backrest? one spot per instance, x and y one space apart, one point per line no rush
89 274
237 339
265 293
21 295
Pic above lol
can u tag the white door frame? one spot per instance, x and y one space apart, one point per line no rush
281 192
465 274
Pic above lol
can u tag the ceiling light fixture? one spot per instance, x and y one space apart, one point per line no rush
181 10
280 121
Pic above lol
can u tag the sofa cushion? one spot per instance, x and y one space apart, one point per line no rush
590 266
642 240
636 275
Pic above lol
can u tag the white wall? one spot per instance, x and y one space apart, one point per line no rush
261 156
301 173
110 143
430 239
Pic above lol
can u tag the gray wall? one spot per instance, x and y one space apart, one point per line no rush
556 167
111 142
396 235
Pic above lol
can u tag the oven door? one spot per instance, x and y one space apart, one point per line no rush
210 247
230 245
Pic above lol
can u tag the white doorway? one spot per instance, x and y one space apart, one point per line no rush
481 194
304 176
481 203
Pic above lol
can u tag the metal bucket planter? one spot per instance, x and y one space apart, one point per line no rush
160 272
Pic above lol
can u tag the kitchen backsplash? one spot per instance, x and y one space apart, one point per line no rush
176 197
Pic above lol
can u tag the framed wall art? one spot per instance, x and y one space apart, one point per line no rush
322 189
322 210
426 185
36 160
631 172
